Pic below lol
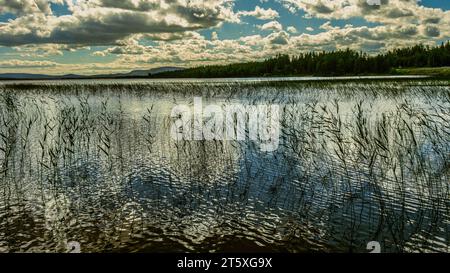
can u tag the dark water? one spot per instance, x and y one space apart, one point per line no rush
94 163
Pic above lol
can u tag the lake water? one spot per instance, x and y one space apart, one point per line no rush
94 162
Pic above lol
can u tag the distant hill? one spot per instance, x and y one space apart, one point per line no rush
132 74
142 73
23 76
153 71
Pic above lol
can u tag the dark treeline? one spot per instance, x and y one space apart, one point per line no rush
334 63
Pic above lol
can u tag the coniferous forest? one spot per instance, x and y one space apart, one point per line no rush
334 63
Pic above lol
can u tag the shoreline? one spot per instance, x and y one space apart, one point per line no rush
235 79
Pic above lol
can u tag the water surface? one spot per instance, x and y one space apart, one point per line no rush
93 162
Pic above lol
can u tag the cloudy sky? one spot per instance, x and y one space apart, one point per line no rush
103 36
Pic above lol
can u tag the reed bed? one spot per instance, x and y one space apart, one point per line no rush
358 161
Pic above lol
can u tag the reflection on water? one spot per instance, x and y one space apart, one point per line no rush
95 164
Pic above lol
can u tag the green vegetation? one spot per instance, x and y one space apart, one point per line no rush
429 71
335 63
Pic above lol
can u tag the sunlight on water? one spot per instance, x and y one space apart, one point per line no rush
94 163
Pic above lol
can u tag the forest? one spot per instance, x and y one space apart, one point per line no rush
333 63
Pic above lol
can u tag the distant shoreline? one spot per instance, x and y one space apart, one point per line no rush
439 73
56 78
232 79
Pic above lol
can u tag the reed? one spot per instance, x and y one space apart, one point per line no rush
358 161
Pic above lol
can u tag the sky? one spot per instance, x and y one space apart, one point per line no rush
108 36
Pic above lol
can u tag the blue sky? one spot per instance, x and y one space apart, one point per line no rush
102 36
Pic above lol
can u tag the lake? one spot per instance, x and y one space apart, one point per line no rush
95 163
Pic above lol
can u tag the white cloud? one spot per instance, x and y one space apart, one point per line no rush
405 16
40 51
214 36
292 29
123 29
278 38
102 22
260 13
389 11
273 25
22 7
19 64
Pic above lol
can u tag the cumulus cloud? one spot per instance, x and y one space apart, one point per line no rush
389 11
214 36
432 31
148 33
407 18
18 64
102 22
260 13
292 29
21 7
273 25
279 38
41 51
169 36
